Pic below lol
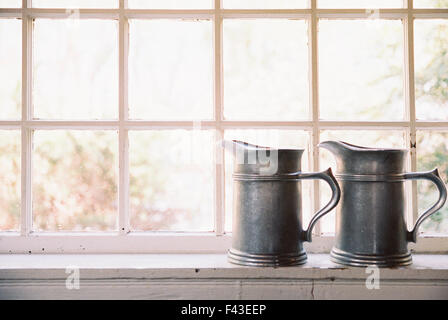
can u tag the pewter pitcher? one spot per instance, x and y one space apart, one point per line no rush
370 219
267 210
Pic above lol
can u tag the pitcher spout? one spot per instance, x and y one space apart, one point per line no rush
364 160
338 148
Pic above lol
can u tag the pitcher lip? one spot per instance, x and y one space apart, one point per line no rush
361 148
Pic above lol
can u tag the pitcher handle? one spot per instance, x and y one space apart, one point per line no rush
326 175
435 178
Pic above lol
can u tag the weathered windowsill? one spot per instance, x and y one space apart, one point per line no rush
210 276
200 265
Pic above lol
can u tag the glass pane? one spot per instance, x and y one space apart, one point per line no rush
364 138
75 3
272 138
265 69
170 4
10 180
10 68
10 3
361 69
170 69
432 152
75 180
172 180
431 69
75 69
360 3
430 3
265 4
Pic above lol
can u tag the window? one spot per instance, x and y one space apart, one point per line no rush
112 111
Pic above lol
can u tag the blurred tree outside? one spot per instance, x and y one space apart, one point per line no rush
10 180
431 86
171 180
430 3
75 180
10 109
434 154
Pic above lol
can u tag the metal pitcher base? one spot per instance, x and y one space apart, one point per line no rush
266 260
364 260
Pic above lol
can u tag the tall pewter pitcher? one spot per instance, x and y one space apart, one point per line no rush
370 219
267 211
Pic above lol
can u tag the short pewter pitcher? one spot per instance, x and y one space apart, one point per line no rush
370 219
267 211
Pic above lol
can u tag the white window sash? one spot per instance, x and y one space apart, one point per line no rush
218 241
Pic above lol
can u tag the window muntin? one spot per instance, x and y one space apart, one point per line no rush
312 126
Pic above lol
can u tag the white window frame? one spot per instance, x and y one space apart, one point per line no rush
124 241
